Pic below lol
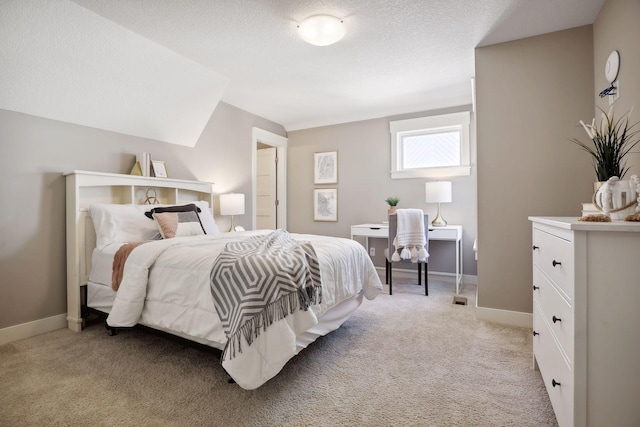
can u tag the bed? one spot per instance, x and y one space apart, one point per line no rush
167 283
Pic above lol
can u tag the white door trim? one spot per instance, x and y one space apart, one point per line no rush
280 142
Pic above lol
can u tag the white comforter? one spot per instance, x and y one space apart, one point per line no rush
166 284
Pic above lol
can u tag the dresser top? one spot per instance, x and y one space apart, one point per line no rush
572 223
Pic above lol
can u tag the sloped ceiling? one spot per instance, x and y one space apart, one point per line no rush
158 68
64 62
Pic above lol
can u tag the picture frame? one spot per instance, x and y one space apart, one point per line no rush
325 167
159 169
325 204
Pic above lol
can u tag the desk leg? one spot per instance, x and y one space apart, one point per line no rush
366 242
458 266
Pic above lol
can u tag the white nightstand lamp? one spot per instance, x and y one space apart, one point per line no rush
438 192
232 204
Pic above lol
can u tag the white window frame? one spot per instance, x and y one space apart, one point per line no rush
431 124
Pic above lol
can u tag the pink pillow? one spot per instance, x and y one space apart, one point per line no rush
178 224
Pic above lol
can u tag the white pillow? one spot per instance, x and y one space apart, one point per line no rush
122 224
208 222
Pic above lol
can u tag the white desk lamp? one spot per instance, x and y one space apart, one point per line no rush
232 204
438 192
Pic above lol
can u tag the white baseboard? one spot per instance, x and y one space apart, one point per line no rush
30 329
469 280
513 318
406 273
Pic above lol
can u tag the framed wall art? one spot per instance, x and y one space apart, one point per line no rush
325 204
325 167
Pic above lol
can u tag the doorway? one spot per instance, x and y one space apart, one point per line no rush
266 188
276 201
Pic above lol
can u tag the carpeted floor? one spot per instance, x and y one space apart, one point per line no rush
400 360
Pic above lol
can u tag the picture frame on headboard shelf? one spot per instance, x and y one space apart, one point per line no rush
159 169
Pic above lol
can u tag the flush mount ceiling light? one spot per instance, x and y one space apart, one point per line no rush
321 30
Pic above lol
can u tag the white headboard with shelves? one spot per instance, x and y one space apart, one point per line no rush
87 188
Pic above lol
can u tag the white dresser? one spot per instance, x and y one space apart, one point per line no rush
586 319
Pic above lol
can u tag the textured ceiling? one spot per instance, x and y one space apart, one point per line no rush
398 56
61 61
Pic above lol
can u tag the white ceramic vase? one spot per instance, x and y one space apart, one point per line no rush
617 198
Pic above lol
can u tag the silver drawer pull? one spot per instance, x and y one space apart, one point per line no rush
556 319
554 263
555 383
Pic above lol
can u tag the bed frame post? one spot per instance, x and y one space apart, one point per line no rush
74 314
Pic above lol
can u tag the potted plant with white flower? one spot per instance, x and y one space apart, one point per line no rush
611 140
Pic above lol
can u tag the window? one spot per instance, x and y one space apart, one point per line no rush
433 146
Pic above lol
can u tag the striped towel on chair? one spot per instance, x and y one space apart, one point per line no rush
410 236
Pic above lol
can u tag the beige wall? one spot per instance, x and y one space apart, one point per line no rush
530 96
35 152
364 182
617 28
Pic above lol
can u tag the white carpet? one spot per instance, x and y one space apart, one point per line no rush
401 360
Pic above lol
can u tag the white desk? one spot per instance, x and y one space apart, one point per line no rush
452 233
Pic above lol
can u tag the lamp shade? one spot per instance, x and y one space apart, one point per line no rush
438 192
321 30
232 204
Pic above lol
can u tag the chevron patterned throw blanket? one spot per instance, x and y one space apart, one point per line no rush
261 280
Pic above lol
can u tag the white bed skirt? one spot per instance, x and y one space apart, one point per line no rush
101 297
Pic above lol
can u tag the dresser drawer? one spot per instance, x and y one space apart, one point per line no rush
554 307
554 256
554 369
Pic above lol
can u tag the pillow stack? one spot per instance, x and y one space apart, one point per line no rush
125 223
177 221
